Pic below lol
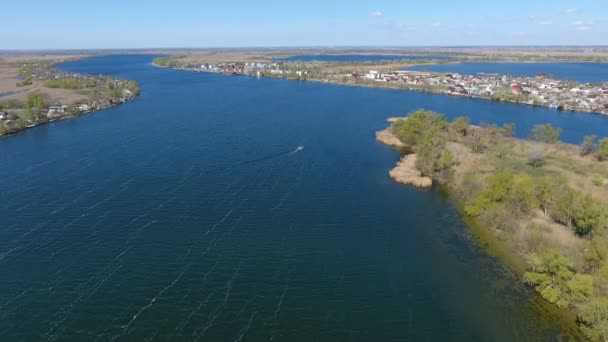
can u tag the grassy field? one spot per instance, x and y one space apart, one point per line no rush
10 66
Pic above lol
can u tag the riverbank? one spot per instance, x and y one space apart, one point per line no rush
43 94
539 91
544 201
507 95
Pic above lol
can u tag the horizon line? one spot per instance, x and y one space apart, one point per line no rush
305 47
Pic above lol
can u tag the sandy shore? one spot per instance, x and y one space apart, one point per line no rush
405 171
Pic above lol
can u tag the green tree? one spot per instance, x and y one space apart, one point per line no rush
550 272
433 156
3 129
133 87
478 144
508 130
546 192
523 193
70 83
589 216
545 133
411 130
594 319
461 125
563 206
588 145
19 124
34 101
602 150
503 151
497 191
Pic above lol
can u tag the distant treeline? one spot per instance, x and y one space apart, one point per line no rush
70 83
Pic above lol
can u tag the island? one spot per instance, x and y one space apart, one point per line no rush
545 201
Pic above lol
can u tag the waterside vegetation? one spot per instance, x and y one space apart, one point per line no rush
546 200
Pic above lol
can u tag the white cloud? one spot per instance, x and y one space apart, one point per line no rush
436 24
376 14
518 34
545 22
581 25
570 11
532 17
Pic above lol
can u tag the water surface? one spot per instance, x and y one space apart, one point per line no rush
187 215
586 72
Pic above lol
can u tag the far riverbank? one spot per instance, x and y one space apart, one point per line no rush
533 91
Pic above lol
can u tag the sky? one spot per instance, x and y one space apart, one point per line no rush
62 24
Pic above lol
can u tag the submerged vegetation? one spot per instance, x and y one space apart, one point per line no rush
548 201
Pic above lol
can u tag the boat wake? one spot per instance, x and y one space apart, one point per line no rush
298 149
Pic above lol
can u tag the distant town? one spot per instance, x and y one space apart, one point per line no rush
542 90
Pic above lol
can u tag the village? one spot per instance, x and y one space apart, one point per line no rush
542 90
44 103
257 69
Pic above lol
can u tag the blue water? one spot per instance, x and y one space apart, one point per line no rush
581 72
356 58
185 215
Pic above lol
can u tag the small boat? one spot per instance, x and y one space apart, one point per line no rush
300 148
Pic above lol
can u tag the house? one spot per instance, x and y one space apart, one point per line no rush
517 88
3 115
54 110
372 75
84 107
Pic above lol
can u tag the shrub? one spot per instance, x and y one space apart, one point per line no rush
523 193
537 157
588 145
497 190
34 101
552 273
545 133
410 131
594 319
461 125
503 151
589 215
433 156
602 150
478 144
508 130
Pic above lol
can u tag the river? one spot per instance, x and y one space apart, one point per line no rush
189 214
